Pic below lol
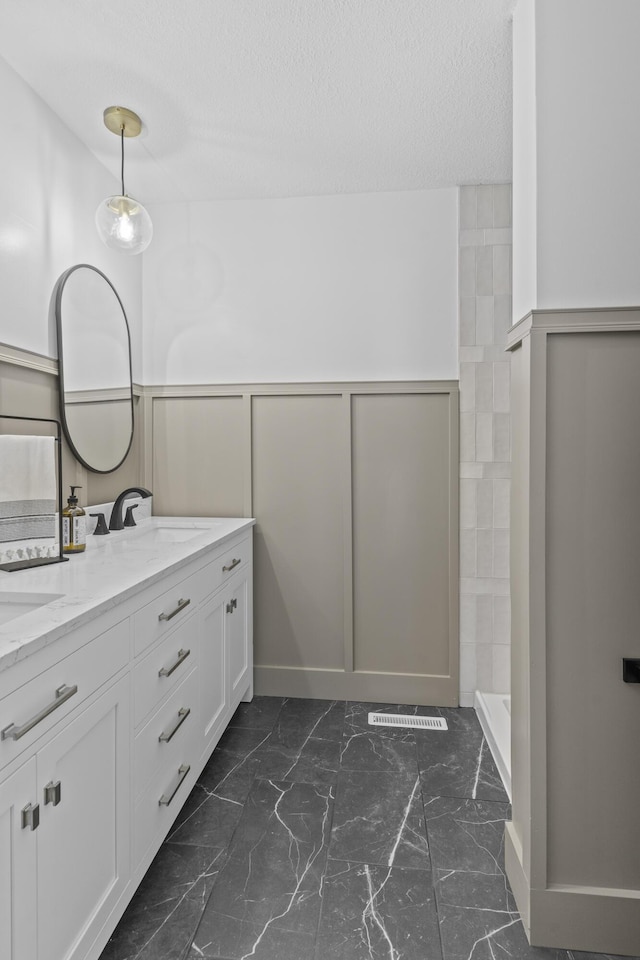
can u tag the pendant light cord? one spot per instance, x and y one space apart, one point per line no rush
122 158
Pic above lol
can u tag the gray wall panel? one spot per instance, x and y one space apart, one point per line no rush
317 464
401 494
198 456
297 500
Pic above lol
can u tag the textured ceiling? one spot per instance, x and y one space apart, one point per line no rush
275 98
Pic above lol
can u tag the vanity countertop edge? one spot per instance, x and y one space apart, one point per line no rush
96 581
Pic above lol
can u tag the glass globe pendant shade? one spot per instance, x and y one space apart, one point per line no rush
124 225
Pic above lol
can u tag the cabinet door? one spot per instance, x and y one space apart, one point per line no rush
238 640
18 866
83 840
213 688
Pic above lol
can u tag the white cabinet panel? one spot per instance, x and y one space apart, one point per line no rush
83 839
18 866
213 686
167 791
162 669
238 639
165 731
85 670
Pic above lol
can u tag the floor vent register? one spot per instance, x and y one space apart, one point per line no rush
404 720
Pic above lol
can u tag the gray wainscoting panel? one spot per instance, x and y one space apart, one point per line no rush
298 503
401 494
571 848
198 456
354 488
593 607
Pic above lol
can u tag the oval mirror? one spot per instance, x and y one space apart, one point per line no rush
94 363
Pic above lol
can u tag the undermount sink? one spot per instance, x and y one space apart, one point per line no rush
169 533
13 605
153 532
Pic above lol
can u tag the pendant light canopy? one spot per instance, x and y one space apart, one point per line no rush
122 222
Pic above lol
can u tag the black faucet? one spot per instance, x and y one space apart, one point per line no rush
116 522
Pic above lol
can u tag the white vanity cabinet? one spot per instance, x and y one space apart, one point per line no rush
64 841
165 699
105 732
226 642
194 666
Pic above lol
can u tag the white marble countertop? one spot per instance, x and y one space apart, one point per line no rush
112 569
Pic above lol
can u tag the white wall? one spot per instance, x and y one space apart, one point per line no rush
525 265
322 288
50 186
587 153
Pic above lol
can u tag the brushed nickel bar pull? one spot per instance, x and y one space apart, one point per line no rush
31 816
165 800
181 605
13 732
167 671
234 563
183 713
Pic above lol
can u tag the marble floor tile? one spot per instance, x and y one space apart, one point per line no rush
261 713
377 913
243 742
479 919
463 720
246 941
229 776
369 750
378 818
206 818
163 915
319 719
293 755
270 884
466 834
458 763
311 835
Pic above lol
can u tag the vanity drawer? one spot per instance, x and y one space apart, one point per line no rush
164 667
171 607
167 791
234 557
231 558
36 706
162 738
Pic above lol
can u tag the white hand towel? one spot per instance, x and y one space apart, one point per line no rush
28 485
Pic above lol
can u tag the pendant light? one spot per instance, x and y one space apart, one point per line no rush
122 222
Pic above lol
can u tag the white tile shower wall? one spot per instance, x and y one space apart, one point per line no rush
484 286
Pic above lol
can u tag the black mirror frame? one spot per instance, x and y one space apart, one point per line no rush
58 291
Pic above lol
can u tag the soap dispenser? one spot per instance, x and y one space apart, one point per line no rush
74 525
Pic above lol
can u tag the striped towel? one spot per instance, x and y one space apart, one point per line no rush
27 488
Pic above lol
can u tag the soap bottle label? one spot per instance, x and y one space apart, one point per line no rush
74 531
79 530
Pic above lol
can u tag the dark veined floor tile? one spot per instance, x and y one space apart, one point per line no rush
379 818
376 913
